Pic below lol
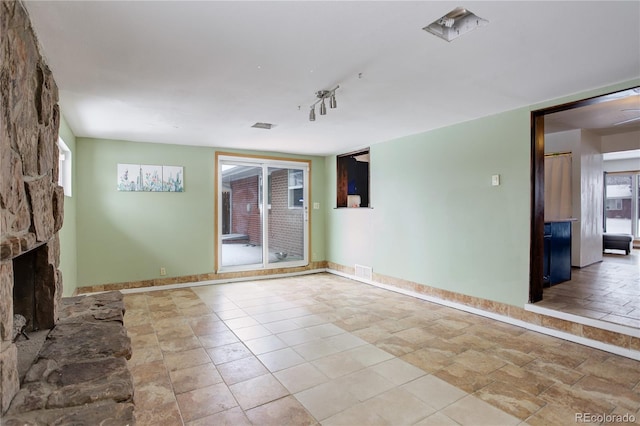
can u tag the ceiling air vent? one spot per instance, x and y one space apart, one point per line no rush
455 23
264 126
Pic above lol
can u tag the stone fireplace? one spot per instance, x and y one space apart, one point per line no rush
79 374
31 202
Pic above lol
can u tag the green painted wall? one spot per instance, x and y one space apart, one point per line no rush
435 217
68 236
129 236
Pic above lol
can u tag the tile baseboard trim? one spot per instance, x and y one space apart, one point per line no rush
591 322
597 344
202 279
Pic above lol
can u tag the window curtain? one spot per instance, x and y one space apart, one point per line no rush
557 186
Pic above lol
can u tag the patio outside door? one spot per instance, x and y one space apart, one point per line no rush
262 213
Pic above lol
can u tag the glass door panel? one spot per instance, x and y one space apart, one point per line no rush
287 214
618 204
241 215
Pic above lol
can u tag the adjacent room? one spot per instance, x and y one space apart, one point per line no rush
336 213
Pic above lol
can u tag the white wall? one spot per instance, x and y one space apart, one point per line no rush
591 198
626 165
587 191
621 142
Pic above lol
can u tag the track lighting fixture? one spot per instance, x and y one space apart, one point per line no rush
322 95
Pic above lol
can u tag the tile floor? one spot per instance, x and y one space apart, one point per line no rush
607 291
321 349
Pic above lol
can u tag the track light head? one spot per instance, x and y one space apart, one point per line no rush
322 95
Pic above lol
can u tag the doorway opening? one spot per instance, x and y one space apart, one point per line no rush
610 123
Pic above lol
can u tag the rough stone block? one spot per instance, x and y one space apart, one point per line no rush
9 381
39 193
75 342
6 301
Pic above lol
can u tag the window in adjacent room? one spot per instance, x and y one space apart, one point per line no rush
353 179
64 167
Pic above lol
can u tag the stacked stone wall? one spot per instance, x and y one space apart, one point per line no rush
31 202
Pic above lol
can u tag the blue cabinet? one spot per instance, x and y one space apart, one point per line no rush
557 252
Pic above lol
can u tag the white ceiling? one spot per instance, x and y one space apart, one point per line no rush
201 73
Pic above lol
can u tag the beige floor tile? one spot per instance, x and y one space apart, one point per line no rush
364 384
399 407
510 399
284 411
241 370
227 353
325 400
338 365
513 376
151 372
257 391
180 344
207 324
205 401
316 349
280 359
162 415
177 360
437 419
241 322
398 371
281 326
218 339
251 332
145 355
344 341
297 336
228 312
231 417
368 355
479 362
463 377
301 377
329 320
200 376
434 391
356 415
154 394
324 330
265 344
396 346
577 399
475 412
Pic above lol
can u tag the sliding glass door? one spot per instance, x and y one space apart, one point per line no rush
262 213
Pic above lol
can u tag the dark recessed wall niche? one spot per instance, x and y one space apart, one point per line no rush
353 178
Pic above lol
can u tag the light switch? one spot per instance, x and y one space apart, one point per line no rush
316 206
495 180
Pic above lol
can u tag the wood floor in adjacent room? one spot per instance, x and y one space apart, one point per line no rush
607 290
321 349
